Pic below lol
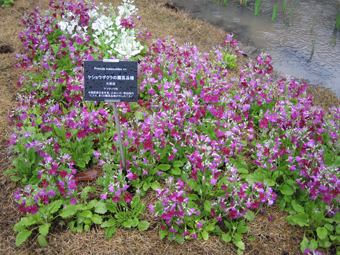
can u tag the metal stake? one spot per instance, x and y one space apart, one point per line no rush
118 133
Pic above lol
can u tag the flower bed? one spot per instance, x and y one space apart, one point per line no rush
224 154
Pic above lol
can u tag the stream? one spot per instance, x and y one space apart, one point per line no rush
289 39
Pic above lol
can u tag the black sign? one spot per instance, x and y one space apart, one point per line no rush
111 81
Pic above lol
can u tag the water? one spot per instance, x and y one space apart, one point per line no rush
289 43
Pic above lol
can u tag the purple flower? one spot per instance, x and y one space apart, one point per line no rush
194 235
97 154
172 230
185 233
199 225
23 116
103 196
73 201
51 193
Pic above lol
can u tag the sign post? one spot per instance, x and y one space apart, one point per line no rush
112 81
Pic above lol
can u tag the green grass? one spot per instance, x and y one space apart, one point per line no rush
275 11
284 5
257 7
337 23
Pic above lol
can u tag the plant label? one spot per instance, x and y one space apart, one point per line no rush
111 80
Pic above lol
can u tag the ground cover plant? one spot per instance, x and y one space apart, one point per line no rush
224 153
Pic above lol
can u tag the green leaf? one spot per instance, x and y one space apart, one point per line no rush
304 244
54 206
155 185
23 223
239 243
176 171
97 219
226 237
162 234
42 241
336 217
193 197
252 238
10 171
134 222
191 183
68 212
324 243
322 232
298 208
300 219
210 227
241 228
86 227
242 170
313 245
143 225
178 163
85 191
111 222
286 189
205 235
109 232
44 229
146 186
180 239
139 115
163 167
22 236
250 216
207 206
329 227
15 178
337 229
92 204
86 214
112 208
100 208
71 225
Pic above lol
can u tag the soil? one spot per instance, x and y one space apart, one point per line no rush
158 17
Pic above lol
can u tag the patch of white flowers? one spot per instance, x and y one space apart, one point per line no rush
108 33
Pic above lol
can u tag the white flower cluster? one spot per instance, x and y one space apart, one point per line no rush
109 31
126 44
70 26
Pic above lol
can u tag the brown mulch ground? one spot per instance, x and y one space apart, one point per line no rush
275 237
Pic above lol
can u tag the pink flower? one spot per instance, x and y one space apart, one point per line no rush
132 176
33 209
185 233
264 124
128 197
116 199
44 183
171 157
103 196
73 201
194 235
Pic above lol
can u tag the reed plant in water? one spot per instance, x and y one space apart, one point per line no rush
291 12
275 11
313 49
312 27
284 5
257 7
337 23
